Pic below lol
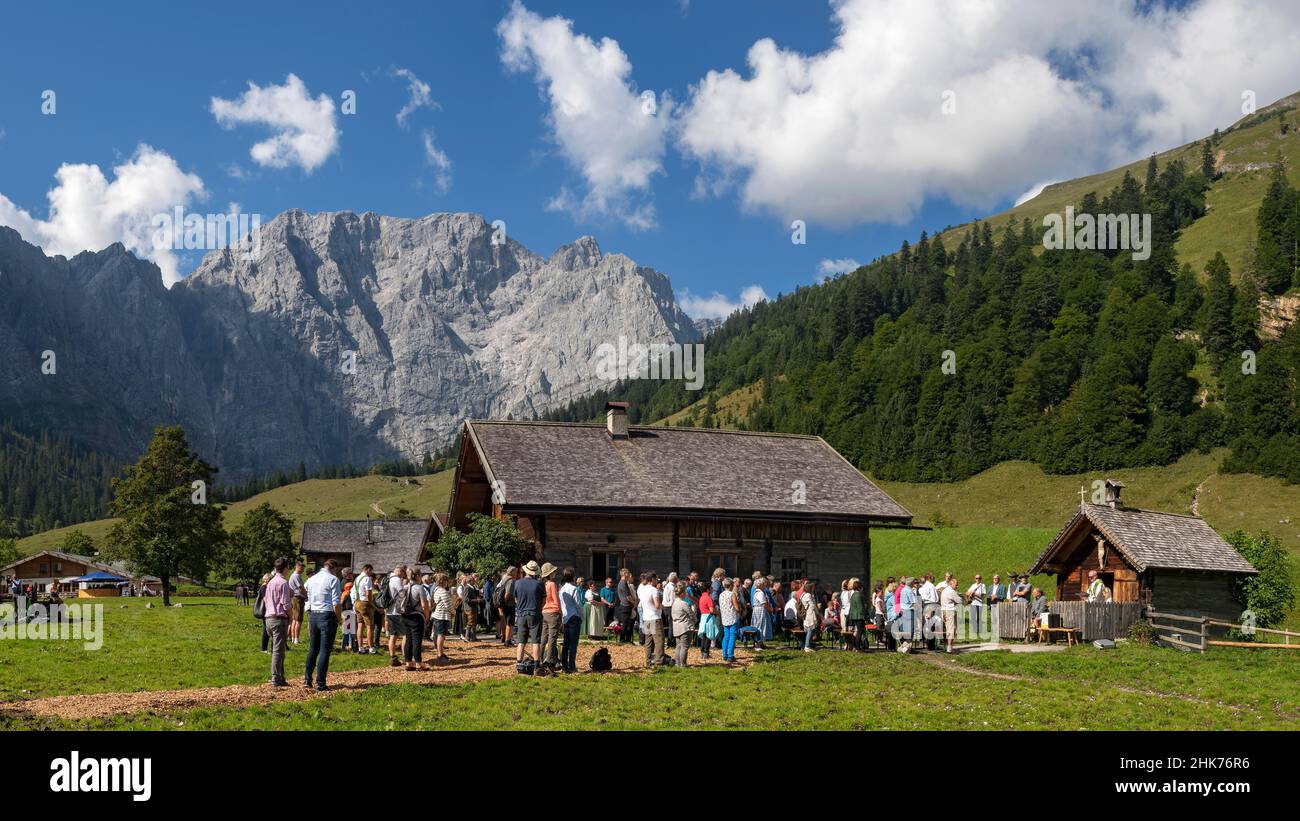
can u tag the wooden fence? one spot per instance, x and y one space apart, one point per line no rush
1228 628
1094 620
1182 632
1098 620
1011 620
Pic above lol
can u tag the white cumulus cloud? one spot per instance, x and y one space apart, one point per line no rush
89 212
612 136
717 306
833 267
860 132
304 129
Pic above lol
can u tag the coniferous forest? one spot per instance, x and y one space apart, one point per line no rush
1074 359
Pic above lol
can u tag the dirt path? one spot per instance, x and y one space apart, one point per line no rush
468 663
1196 496
949 664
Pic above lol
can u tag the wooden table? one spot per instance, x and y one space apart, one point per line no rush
1045 633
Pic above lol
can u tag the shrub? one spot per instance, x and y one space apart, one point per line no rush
1271 594
1141 632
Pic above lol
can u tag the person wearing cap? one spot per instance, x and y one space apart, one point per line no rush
1023 590
528 614
551 612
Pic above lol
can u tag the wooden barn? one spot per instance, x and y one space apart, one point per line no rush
600 497
383 543
54 569
1170 562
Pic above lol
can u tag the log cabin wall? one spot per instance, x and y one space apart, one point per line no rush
826 553
1194 593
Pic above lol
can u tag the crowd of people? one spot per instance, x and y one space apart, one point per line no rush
543 612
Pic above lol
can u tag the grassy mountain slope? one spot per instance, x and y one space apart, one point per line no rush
312 500
1245 154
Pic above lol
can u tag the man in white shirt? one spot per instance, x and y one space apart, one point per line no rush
791 614
950 604
652 629
323 614
363 589
976 595
929 595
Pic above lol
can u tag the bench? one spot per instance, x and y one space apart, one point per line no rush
1049 634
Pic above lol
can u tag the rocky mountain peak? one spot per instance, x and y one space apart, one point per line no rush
345 338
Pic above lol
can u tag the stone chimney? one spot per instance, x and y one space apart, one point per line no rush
1113 488
616 419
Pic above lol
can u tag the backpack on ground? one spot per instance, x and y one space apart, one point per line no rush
383 595
525 667
600 660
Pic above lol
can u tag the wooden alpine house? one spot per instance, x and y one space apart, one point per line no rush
602 497
1169 562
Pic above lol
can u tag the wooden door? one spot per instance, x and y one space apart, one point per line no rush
1126 585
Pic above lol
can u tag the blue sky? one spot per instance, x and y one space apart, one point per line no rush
853 140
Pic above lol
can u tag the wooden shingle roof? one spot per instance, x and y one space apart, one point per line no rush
1152 539
561 465
384 543
90 563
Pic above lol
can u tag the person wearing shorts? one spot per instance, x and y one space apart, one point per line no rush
442 611
362 590
394 624
528 614
299 593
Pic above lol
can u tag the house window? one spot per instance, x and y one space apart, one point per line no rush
727 561
58 567
45 568
791 569
605 565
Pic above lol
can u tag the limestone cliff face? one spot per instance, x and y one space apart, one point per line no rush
345 338
1276 314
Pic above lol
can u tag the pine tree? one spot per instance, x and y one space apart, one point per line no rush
1245 314
1277 231
1169 388
1218 312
